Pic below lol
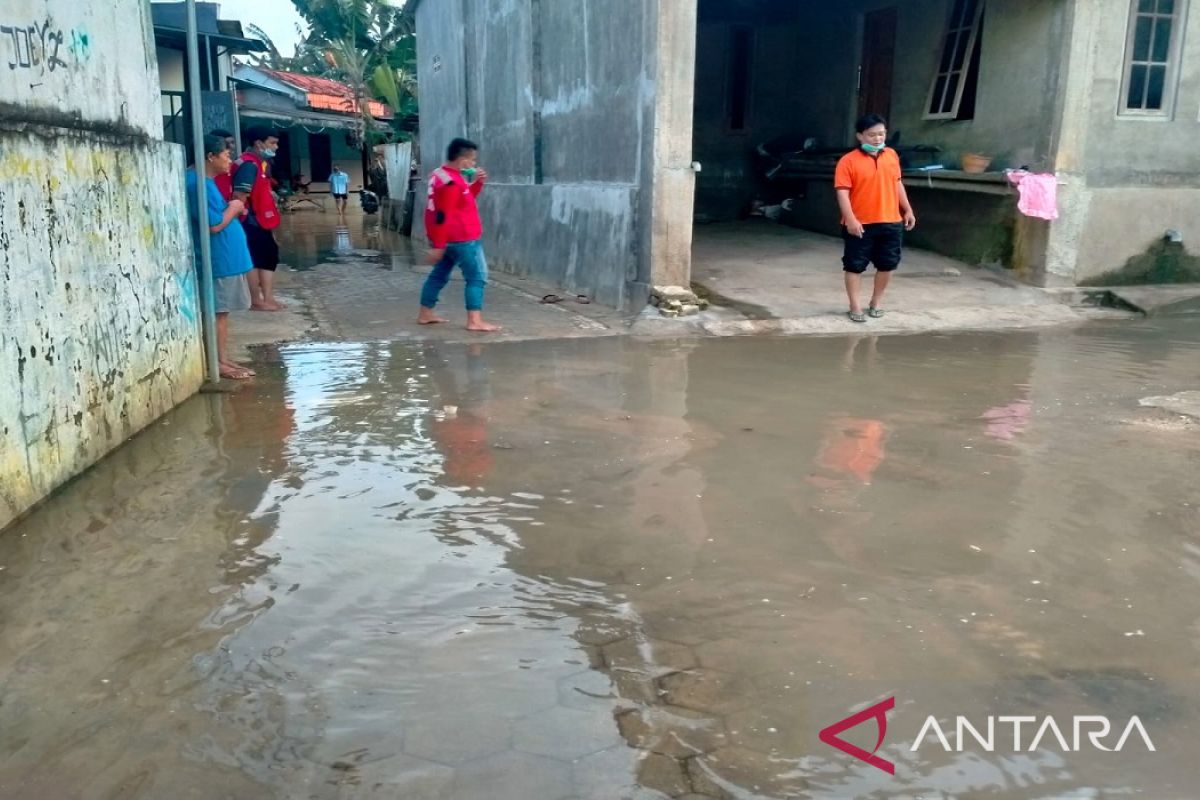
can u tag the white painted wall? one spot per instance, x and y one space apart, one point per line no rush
93 59
98 302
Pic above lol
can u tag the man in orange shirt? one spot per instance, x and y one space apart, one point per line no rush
875 213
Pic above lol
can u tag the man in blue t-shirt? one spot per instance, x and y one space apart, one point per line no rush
230 253
339 187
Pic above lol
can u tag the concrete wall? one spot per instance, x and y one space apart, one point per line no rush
560 96
1125 180
97 285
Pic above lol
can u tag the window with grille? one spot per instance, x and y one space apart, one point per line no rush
1151 57
958 70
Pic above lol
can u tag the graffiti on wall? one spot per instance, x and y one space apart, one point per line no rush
41 46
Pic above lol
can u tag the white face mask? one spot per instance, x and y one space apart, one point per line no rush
268 152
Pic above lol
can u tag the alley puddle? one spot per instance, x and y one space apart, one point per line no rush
617 569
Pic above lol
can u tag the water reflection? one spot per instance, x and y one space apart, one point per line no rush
604 568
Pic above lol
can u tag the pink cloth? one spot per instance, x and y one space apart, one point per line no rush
1039 194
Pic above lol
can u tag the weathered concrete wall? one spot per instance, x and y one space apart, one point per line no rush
560 96
97 285
1125 180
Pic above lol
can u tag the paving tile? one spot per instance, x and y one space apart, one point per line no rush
566 733
400 776
677 732
586 690
707 690
737 766
457 734
613 775
513 776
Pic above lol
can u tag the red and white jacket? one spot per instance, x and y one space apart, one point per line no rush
451 215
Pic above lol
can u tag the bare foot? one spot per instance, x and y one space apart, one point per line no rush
236 373
482 327
233 365
427 316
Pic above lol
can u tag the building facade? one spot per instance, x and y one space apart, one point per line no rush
612 127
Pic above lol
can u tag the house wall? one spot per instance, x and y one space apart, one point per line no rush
100 332
560 94
1125 180
805 74
345 156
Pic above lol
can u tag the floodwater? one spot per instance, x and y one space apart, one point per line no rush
619 569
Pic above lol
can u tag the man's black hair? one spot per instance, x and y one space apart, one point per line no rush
224 134
259 133
868 121
458 147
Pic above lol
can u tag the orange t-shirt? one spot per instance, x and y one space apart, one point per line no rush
873 182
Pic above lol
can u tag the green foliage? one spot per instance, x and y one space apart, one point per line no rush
370 45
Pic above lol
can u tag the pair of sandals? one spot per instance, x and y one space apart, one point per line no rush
550 299
858 316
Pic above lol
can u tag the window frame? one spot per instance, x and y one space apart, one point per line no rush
1174 58
952 114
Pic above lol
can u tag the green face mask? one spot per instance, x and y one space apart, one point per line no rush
469 174
873 148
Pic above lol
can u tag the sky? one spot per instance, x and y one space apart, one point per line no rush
277 17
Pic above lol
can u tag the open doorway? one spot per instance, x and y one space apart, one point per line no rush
780 83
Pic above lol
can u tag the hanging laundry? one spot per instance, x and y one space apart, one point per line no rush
1038 193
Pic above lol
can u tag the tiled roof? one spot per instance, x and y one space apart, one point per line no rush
328 94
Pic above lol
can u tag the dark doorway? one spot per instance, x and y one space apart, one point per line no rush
878 63
320 154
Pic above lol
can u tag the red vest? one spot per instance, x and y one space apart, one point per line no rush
262 201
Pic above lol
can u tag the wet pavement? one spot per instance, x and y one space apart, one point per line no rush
609 568
354 280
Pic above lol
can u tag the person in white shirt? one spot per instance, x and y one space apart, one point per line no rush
339 187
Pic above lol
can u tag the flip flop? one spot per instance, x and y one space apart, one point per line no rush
875 313
856 316
582 299
236 374
551 299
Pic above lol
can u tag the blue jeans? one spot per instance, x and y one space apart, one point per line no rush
469 258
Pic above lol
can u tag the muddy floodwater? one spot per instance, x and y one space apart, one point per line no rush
613 569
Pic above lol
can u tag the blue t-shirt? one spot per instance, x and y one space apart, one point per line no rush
230 253
339 183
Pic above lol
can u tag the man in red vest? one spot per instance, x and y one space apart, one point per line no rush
455 234
262 216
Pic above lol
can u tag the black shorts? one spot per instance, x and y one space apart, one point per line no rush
264 252
880 245
340 196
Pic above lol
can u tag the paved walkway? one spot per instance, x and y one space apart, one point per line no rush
355 281
783 280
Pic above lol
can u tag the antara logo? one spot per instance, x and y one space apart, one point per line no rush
1096 729
877 712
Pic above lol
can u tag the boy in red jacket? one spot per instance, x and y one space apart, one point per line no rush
454 228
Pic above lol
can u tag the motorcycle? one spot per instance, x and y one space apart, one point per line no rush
369 201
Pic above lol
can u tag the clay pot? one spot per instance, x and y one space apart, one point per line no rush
975 163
